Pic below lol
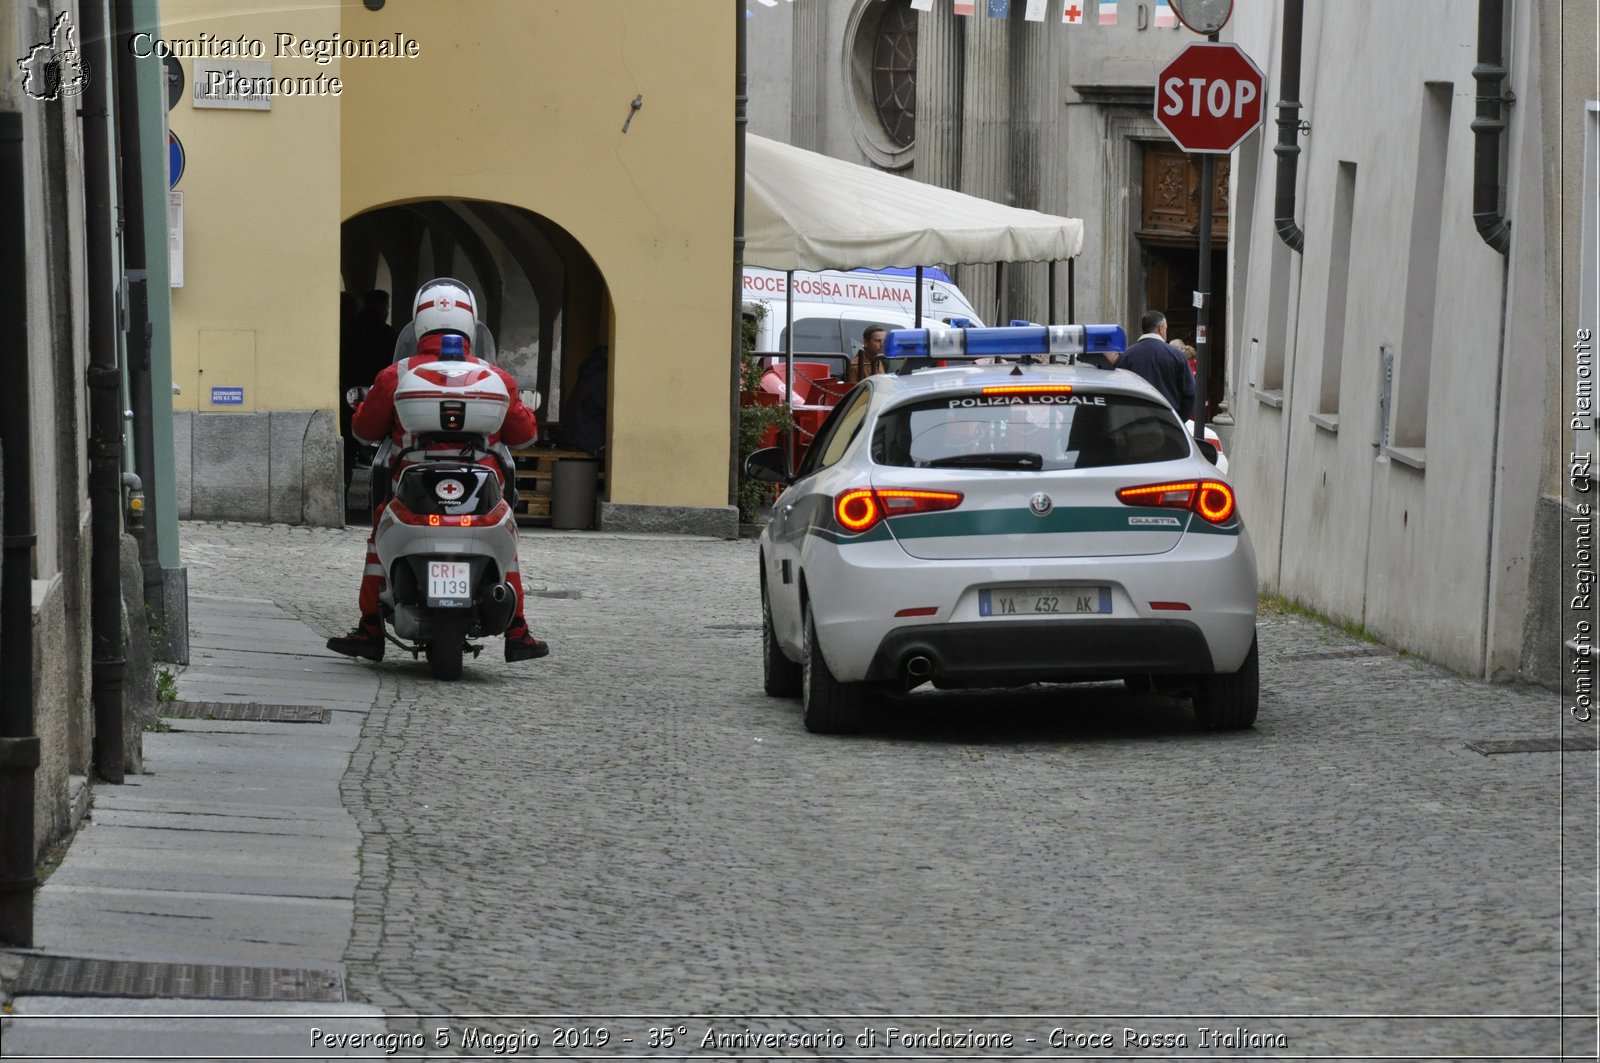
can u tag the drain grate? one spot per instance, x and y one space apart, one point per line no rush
66 976
1337 654
1575 744
244 710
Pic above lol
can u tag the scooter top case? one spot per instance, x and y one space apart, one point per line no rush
450 396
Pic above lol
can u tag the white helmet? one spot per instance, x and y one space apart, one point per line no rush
445 304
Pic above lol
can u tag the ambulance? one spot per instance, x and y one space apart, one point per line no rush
833 307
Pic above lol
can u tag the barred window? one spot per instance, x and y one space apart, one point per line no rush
894 73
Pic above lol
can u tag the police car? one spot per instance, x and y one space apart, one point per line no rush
1000 512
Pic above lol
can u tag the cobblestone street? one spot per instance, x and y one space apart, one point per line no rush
631 827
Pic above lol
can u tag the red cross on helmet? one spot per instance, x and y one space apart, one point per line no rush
445 305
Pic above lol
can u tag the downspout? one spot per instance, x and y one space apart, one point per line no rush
741 101
1288 147
19 746
1487 126
105 405
135 267
1492 226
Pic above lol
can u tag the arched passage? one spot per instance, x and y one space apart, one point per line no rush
542 295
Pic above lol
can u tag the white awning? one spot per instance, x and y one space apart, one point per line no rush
803 210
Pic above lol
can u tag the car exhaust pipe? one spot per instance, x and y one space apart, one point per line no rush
919 668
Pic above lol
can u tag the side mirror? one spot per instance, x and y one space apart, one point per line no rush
1208 450
354 397
530 398
769 465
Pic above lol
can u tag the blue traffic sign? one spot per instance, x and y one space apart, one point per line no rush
174 160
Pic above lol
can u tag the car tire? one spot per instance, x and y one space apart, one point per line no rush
780 677
827 705
1228 702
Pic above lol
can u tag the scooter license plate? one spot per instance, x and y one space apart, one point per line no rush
449 583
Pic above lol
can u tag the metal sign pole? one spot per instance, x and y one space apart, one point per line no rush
1202 344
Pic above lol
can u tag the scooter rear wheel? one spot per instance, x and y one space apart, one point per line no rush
444 649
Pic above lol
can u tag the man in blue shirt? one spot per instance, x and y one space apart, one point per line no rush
1153 358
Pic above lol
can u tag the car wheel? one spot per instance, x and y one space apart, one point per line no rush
828 706
780 677
1228 702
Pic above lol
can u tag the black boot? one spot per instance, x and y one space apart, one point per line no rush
521 645
365 641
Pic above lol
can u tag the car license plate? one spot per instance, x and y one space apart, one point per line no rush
1043 601
449 582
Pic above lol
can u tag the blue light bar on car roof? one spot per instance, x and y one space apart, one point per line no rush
999 342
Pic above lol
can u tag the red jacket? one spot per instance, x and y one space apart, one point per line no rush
376 416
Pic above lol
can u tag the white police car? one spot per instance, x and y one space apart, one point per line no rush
1035 519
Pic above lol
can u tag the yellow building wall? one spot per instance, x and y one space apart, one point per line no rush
261 203
523 102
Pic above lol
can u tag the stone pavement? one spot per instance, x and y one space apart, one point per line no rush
234 851
629 828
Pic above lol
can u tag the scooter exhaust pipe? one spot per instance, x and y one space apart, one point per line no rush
499 606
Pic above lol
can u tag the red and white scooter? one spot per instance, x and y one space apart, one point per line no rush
448 537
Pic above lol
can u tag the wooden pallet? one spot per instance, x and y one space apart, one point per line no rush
535 481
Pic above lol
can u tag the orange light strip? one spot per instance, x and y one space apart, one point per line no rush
1028 389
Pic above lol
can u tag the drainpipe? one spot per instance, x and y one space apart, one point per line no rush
19 746
1489 73
741 101
135 267
105 405
1288 147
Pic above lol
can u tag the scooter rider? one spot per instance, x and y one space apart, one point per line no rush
442 309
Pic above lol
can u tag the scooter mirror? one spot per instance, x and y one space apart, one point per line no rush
531 398
354 397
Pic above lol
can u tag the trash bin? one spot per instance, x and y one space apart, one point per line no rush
572 492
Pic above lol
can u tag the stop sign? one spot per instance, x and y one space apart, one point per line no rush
1210 97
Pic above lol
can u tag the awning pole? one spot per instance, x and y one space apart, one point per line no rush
919 298
1072 294
999 289
1051 285
788 362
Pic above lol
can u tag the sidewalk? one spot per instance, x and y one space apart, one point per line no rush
230 865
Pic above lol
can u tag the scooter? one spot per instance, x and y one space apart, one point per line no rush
448 537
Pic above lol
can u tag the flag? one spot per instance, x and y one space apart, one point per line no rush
1036 8
1108 12
1072 12
999 8
965 7
1165 19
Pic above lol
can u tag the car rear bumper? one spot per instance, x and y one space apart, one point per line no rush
1010 653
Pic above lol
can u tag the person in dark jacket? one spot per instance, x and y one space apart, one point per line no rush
1153 358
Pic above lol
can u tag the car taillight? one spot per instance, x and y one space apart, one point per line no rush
860 509
1212 499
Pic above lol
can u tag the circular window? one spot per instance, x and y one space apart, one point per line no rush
880 53
894 74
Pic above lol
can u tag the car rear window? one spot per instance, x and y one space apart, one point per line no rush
1049 430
